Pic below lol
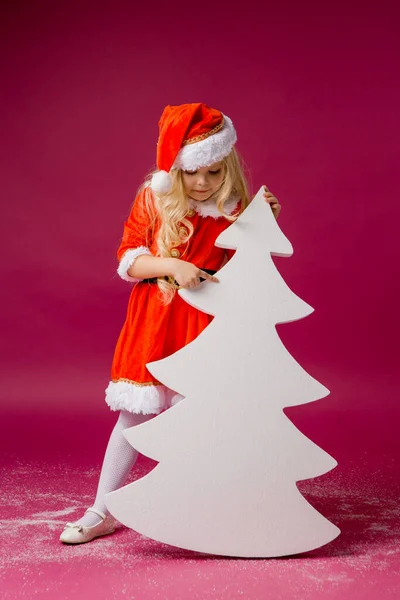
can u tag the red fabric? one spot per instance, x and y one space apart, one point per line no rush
141 225
179 124
153 330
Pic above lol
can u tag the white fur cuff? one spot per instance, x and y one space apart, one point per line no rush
127 261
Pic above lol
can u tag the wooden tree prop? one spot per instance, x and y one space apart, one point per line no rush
229 458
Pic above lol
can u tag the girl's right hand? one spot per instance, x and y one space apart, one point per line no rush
188 275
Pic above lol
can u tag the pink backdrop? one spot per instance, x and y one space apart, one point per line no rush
313 91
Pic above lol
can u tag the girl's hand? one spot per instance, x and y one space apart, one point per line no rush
272 201
188 275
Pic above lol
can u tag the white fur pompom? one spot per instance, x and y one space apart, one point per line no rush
161 182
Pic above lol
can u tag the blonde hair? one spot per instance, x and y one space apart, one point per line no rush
171 211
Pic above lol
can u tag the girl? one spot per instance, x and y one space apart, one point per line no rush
167 243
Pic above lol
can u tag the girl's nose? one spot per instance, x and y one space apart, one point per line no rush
201 180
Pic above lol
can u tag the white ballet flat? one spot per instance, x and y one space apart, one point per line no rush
80 534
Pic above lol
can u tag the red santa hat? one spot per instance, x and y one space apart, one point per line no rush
191 136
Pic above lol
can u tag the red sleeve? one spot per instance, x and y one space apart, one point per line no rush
139 227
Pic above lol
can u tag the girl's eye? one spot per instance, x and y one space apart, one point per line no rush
215 172
190 172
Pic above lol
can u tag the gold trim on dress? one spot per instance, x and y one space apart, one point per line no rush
123 380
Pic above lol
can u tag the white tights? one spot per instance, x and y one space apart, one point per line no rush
117 464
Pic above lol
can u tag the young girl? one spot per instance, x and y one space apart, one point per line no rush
167 243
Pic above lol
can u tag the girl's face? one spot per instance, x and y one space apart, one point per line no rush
202 184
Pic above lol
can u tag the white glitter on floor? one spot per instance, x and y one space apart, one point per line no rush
38 499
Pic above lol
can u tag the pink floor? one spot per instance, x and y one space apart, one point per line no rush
42 491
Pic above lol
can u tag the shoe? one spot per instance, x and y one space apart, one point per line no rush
80 534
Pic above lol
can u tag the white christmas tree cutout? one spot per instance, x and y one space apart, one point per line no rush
229 458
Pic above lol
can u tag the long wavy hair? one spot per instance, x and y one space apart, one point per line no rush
169 211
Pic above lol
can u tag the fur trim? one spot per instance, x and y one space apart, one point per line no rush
127 261
208 151
208 208
144 399
161 182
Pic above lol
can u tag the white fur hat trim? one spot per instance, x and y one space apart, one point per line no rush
208 151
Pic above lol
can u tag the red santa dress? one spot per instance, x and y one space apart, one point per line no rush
153 330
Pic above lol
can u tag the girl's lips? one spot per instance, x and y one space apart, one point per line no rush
201 191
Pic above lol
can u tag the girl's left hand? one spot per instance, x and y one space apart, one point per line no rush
272 201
